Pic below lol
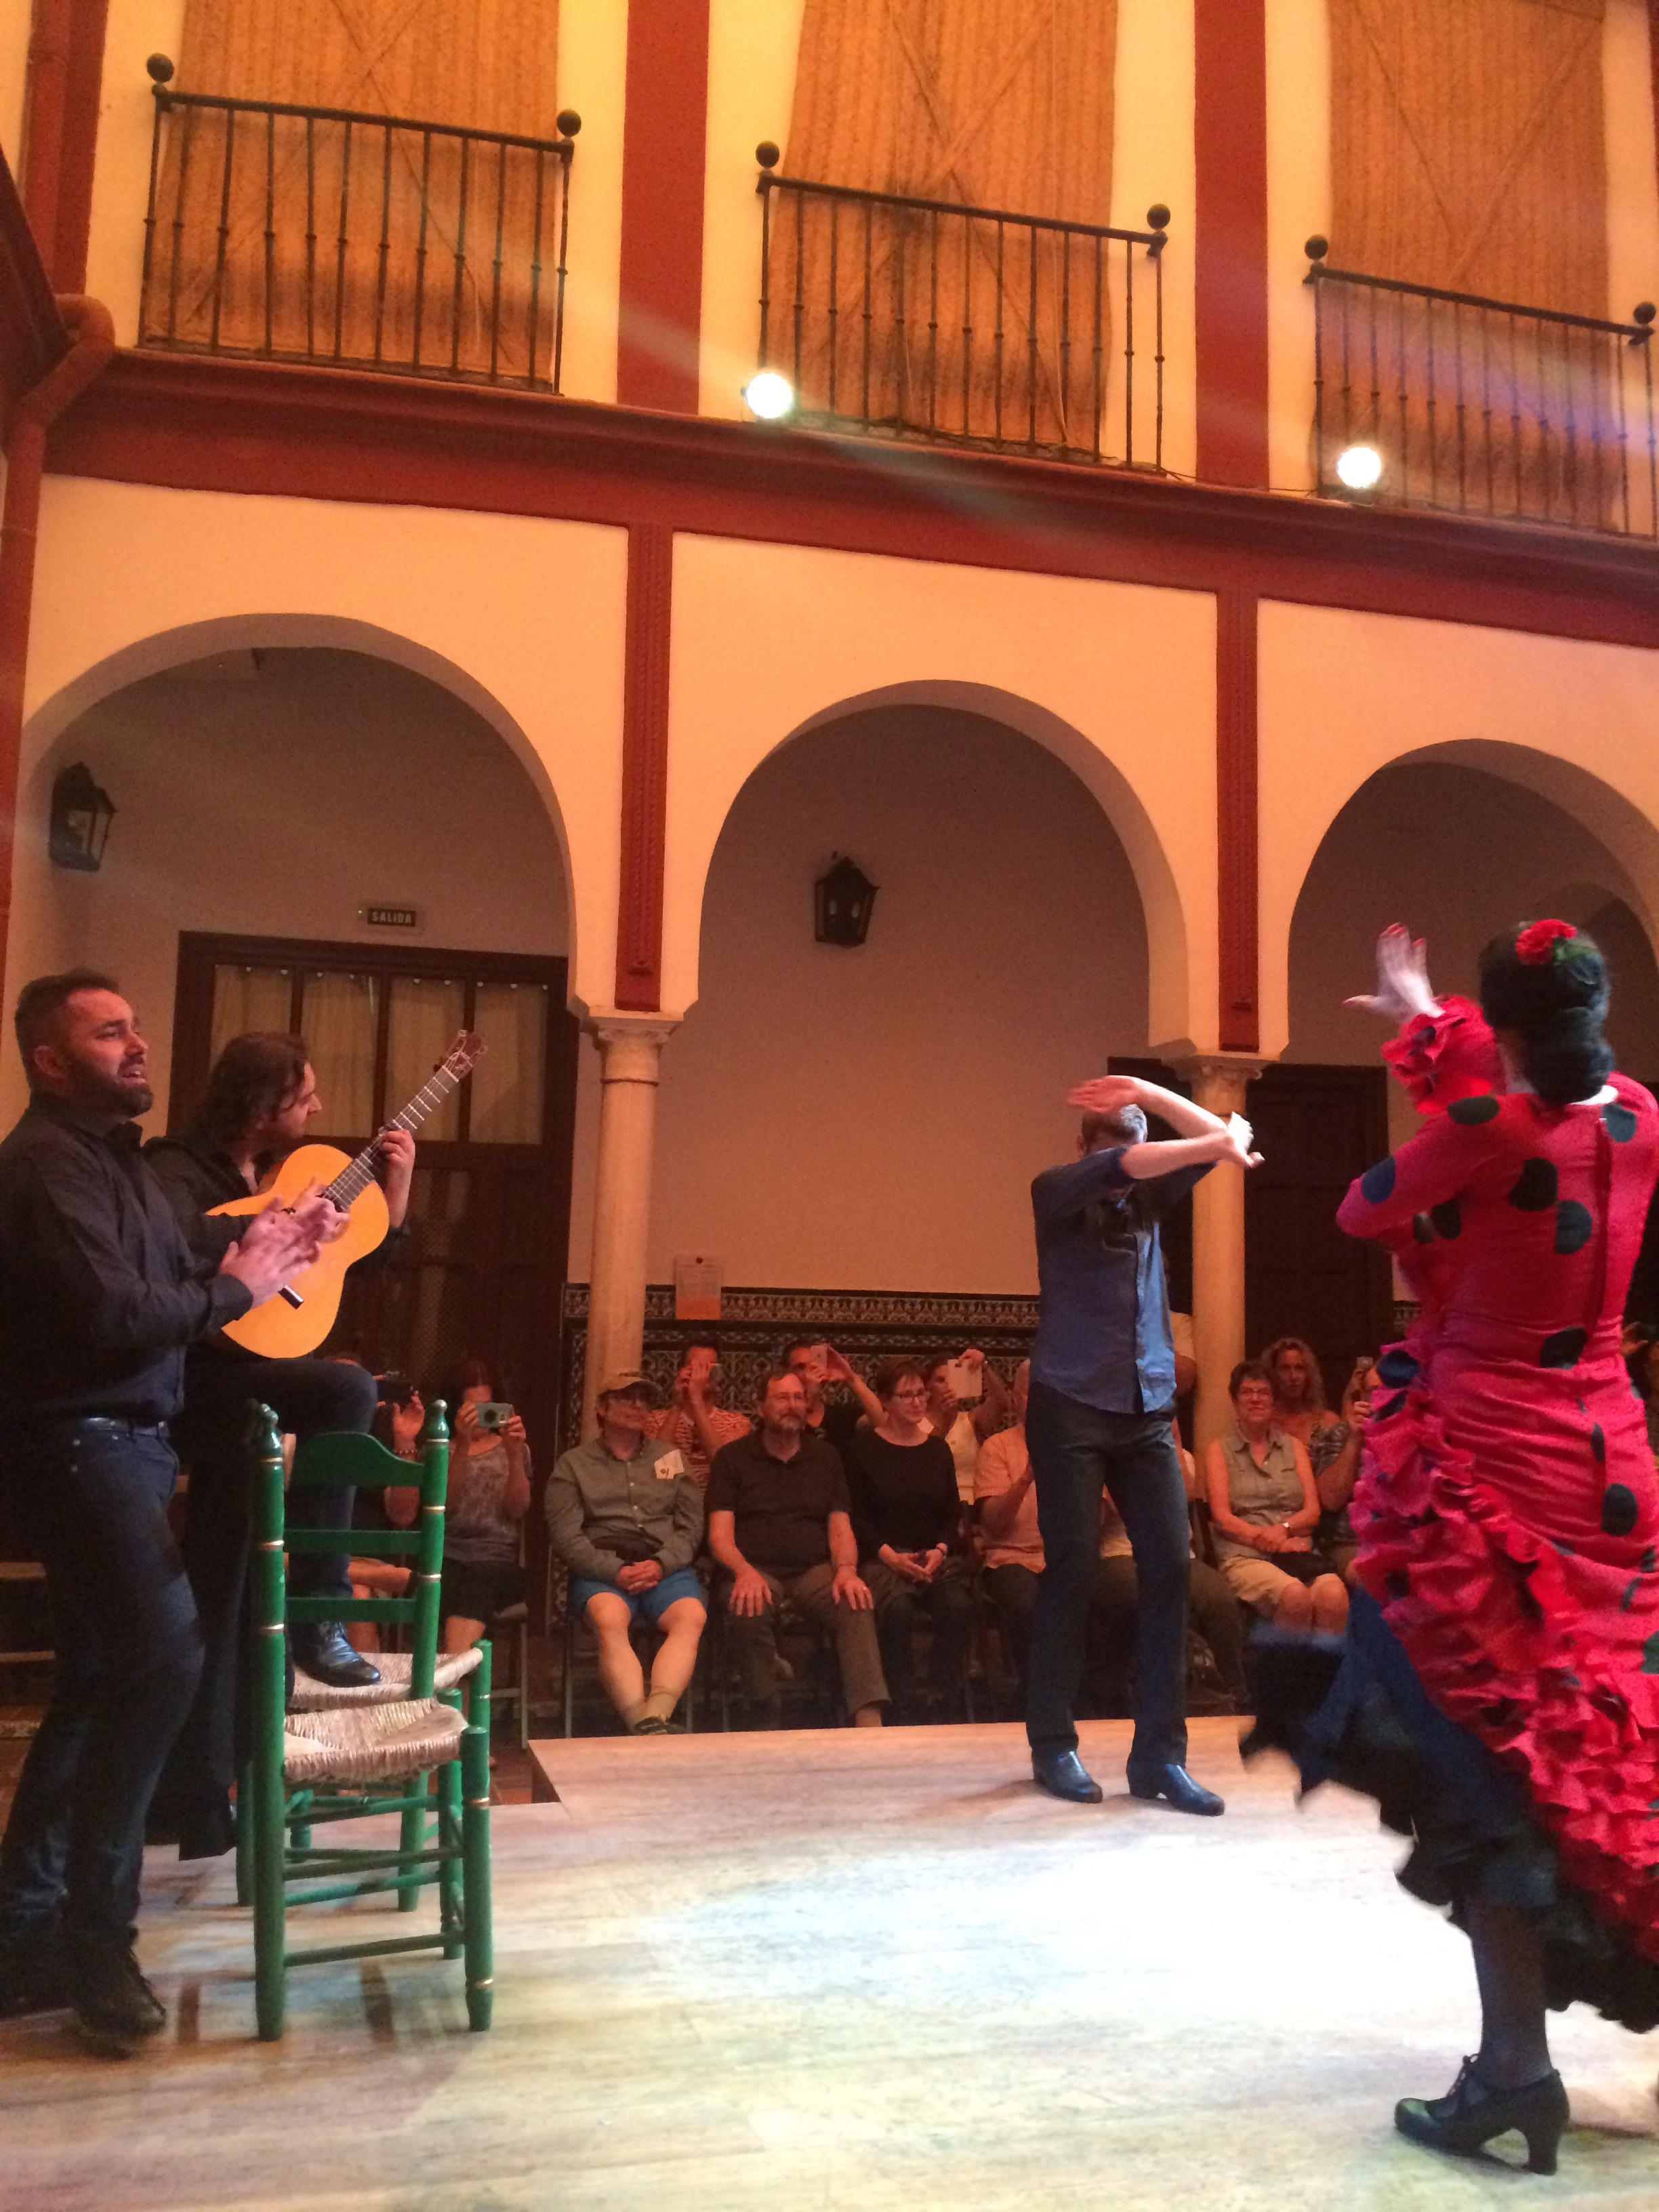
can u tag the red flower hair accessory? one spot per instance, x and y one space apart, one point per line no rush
1541 942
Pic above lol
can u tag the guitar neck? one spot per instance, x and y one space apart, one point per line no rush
351 1183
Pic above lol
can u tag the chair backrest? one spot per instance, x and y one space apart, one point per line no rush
339 1462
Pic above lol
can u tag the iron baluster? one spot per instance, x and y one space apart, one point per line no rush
495 273
532 332
224 233
340 256
188 135
420 246
385 242
458 297
270 228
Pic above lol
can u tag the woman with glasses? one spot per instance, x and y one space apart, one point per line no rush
907 1515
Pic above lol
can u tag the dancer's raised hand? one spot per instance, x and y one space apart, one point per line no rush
1402 978
1105 1094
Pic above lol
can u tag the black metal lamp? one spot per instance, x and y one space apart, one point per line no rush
81 815
842 899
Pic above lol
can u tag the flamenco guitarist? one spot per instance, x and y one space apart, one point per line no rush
260 1094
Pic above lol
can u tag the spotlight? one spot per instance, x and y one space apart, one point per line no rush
769 396
1359 467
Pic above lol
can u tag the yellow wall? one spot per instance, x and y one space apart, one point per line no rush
1298 206
523 619
1632 180
592 78
120 182
1152 160
1342 695
14 70
1118 680
751 82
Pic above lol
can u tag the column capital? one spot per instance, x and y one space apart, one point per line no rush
1218 1070
631 1045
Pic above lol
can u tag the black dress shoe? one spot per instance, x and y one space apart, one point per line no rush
115 2008
325 1652
1063 1774
1471 2114
1172 1782
33 1973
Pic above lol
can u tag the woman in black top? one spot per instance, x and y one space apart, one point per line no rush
907 1515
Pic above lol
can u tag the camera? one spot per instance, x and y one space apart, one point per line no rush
495 1413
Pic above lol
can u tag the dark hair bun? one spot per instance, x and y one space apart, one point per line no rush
1557 1006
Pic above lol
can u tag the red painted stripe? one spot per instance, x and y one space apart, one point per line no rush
1236 818
664 132
1230 273
645 767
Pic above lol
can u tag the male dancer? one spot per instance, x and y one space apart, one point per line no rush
1101 1397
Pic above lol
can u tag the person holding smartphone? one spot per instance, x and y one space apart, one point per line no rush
1103 1391
694 1422
488 1498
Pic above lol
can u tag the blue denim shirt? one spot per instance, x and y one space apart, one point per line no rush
1103 1332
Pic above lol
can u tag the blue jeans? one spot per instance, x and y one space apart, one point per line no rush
1077 1451
91 1496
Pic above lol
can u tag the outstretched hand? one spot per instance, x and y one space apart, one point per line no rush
1236 1142
1402 978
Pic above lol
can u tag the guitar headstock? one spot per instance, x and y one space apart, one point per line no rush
463 1055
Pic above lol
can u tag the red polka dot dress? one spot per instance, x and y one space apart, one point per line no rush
1500 1694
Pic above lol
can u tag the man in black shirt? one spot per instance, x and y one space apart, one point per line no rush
261 1093
780 1523
98 1297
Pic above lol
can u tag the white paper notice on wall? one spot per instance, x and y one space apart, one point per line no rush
699 1278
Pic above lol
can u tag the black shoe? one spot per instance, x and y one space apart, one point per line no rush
33 1973
1172 1781
1063 1774
1471 2114
325 1652
115 2008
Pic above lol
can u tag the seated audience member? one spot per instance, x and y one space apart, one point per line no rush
692 1421
624 1513
780 1524
1336 1474
1214 1608
488 1497
964 1429
1263 1507
907 1516
818 1365
1184 1345
1006 1505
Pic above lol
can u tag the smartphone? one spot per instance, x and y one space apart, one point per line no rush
495 1413
967 1382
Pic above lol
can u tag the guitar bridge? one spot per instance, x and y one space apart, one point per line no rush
292 1296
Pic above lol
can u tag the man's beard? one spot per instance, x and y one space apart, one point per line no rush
127 1096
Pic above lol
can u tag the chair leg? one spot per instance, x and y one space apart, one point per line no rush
524 1686
411 1839
475 1847
270 1904
452 1887
568 1667
245 1819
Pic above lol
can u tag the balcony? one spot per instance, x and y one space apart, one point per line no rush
1482 407
320 234
898 317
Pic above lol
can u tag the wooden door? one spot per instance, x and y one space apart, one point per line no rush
1317 1127
484 1270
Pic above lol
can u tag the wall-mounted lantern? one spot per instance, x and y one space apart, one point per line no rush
842 899
81 815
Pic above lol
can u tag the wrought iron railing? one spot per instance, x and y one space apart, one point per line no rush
365 241
1484 407
924 319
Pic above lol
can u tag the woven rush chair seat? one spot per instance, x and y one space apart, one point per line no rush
311 1696
372 1744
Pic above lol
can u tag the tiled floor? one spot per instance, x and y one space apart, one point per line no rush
838 1969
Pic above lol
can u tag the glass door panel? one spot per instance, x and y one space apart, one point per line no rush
507 1083
426 1013
339 1019
249 999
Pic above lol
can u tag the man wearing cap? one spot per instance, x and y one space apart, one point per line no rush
624 1513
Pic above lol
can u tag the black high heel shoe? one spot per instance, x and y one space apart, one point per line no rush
1471 2114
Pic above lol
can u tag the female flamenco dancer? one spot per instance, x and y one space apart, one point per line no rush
1498 1692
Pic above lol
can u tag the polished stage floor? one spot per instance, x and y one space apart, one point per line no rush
835 1968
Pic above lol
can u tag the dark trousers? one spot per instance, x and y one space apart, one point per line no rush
946 1604
1215 1614
1076 1450
309 1397
91 1498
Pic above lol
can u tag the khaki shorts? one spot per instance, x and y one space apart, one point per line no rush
1257 1582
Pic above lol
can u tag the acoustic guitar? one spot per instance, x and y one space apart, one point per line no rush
300 1315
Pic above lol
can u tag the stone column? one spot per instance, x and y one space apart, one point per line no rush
630 1050
1219 1081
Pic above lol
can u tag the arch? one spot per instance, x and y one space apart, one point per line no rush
1168 1009
1610 864
173 649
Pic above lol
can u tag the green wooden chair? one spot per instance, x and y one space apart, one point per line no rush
422 1753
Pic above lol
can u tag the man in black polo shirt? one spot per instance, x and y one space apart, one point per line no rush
780 1523
98 1297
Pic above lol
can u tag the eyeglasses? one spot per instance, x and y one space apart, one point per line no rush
921 1394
